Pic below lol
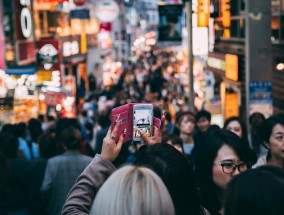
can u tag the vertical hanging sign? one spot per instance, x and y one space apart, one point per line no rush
25 49
203 14
226 17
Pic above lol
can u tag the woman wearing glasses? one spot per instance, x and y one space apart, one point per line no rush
273 139
224 158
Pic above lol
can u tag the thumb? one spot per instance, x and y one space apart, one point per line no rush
145 137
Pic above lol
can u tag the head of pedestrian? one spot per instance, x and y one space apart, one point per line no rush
224 158
173 140
203 119
258 191
133 190
71 138
273 139
185 123
234 124
175 171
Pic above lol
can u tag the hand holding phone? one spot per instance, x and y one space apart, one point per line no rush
142 121
134 117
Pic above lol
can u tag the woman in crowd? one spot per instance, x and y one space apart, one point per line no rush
250 193
133 190
224 158
273 137
256 120
163 159
184 128
235 125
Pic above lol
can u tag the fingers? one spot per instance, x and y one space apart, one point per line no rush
108 132
163 120
120 142
115 129
157 131
145 137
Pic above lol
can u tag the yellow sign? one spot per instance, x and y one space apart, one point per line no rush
232 68
226 17
231 105
226 13
203 14
83 43
43 75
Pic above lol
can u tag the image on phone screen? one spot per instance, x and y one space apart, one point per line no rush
142 119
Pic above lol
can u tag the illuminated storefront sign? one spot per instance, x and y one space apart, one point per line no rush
48 55
107 10
232 69
224 65
203 14
70 48
226 17
24 40
104 39
217 63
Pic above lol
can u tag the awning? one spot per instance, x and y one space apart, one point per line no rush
18 71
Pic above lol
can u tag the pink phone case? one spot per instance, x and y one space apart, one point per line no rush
124 114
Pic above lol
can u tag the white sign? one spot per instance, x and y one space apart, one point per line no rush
200 41
107 10
26 19
48 50
70 48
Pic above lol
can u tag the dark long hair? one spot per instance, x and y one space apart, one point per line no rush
267 128
250 153
176 173
210 192
258 191
256 120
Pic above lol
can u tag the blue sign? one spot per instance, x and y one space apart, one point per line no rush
260 92
261 98
80 14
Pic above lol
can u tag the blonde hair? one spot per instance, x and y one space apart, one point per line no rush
133 190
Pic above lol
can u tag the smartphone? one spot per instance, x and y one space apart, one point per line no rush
142 120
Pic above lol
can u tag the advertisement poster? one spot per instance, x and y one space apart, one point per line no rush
261 98
170 25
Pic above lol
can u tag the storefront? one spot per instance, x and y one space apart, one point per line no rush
227 89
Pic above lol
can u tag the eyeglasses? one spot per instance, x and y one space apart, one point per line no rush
230 167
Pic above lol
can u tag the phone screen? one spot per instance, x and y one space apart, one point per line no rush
142 120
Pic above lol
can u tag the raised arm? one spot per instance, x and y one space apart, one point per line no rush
81 196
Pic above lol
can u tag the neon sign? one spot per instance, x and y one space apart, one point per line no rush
26 19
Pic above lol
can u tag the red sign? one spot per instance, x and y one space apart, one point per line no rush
105 26
79 2
53 99
25 52
48 56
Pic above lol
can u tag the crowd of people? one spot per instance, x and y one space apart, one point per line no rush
189 166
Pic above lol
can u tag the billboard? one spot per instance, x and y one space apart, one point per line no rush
260 99
170 25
